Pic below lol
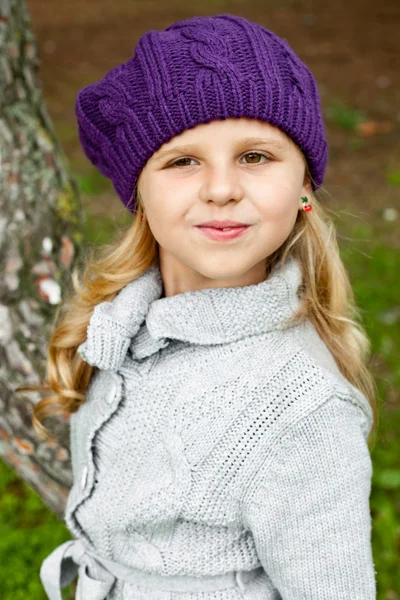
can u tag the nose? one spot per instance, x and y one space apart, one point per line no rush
221 184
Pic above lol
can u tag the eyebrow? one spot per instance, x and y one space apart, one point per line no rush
244 142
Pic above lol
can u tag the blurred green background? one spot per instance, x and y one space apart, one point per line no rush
350 48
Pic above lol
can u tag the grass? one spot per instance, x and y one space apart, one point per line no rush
29 531
373 269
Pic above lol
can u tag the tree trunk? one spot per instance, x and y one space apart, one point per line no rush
40 235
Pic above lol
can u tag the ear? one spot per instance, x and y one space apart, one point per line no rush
307 187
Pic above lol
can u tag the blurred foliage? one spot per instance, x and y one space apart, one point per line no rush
101 230
393 177
344 116
93 183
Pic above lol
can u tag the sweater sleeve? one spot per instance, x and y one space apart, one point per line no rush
309 514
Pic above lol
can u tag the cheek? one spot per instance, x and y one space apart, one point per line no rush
165 210
277 195
278 207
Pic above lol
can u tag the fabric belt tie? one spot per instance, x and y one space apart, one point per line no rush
70 559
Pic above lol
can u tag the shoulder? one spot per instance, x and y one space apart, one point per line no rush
300 344
300 365
317 354
299 385
297 363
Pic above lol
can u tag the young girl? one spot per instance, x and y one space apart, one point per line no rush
221 408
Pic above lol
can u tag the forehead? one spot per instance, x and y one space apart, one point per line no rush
231 129
226 133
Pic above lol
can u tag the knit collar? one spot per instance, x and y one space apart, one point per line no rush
218 315
208 316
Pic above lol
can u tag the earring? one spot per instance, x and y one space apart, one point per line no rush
306 207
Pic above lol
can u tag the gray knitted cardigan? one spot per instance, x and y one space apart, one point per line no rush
218 455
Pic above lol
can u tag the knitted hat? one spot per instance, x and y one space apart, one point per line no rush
195 71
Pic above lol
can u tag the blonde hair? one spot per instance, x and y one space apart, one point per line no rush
328 302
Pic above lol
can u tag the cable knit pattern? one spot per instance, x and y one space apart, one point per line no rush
195 71
220 455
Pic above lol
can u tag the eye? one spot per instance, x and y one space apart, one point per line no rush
255 155
252 154
180 160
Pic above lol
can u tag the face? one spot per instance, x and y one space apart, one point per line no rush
215 171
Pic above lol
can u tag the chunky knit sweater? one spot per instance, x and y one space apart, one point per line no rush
219 455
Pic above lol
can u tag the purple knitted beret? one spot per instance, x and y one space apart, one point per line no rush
195 71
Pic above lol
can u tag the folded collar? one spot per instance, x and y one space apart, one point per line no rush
141 321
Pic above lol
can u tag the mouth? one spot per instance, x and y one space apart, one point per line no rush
223 234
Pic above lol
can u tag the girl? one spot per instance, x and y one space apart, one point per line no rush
221 408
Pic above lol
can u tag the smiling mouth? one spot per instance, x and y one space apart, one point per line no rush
224 234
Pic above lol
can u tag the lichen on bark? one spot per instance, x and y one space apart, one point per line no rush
41 237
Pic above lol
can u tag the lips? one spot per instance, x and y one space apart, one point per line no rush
222 223
218 234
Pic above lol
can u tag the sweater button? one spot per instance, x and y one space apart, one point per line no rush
84 477
111 394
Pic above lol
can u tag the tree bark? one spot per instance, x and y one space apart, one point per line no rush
40 238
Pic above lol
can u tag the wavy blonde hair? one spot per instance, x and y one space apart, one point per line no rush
328 302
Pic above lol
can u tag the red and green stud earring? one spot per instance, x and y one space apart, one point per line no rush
306 207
